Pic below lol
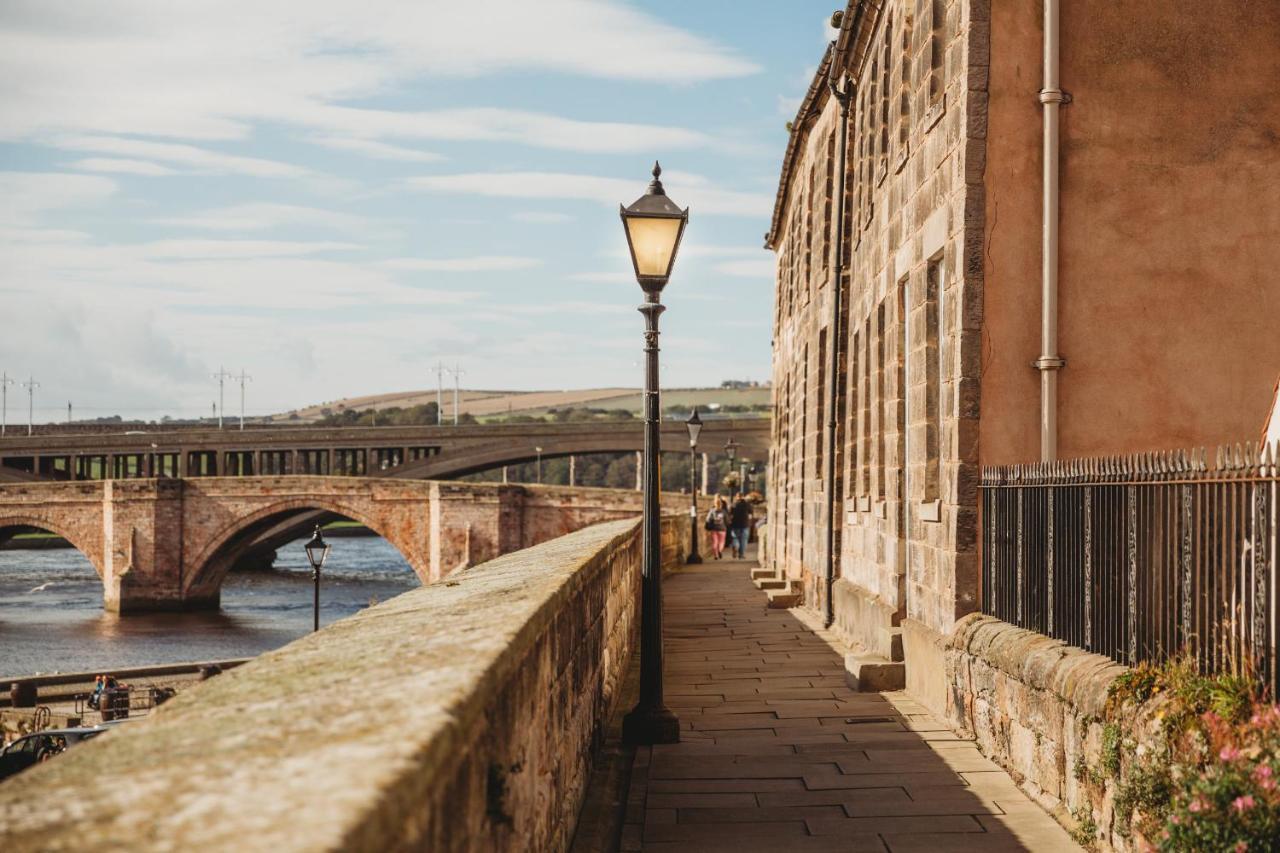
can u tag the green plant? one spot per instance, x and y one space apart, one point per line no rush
1112 735
1086 829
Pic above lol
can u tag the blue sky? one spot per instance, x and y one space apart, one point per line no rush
334 196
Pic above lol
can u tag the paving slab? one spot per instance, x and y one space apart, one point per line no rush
778 754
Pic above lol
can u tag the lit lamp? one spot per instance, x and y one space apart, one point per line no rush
317 551
654 225
731 450
694 425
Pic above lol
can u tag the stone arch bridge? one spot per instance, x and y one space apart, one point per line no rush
168 543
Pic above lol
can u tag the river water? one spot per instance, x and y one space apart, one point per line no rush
51 616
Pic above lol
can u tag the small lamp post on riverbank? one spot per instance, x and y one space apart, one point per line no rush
654 226
694 425
731 450
317 551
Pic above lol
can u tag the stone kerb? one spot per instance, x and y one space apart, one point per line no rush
458 716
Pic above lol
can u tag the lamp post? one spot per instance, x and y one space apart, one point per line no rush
731 450
538 450
317 550
694 425
742 476
654 226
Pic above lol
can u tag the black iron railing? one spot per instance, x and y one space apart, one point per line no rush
1141 558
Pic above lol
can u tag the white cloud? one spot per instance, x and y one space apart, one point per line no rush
209 69
199 159
378 150
129 167
262 216
540 217
202 249
693 191
483 263
25 196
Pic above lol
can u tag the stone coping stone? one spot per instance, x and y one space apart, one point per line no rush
1081 678
324 744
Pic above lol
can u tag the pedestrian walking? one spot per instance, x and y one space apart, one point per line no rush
717 525
740 518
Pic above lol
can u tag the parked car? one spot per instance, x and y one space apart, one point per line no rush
41 746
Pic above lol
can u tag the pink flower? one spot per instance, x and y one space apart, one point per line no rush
1197 805
1242 804
1262 771
1176 821
1229 753
1241 847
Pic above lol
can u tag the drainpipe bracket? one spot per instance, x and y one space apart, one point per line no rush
1047 362
1054 96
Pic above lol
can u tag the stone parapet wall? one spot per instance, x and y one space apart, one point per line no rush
458 716
1038 707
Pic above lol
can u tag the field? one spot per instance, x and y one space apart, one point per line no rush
488 404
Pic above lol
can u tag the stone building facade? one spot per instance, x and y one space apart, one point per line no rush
1168 305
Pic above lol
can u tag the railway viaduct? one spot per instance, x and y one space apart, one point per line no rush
434 452
168 543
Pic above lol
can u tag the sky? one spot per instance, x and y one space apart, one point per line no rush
337 196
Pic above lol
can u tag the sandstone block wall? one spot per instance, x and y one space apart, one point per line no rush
908 338
458 716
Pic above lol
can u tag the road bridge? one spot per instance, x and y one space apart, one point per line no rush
168 543
437 452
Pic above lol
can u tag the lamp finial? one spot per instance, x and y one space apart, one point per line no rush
655 186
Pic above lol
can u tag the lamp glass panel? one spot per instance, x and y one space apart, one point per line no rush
653 240
694 429
316 554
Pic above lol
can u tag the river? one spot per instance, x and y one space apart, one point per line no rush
51 616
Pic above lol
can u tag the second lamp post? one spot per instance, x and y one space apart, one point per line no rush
654 226
317 550
694 425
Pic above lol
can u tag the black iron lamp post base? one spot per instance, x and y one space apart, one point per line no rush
648 726
694 558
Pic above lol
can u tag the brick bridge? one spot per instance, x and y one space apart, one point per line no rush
435 452
168 543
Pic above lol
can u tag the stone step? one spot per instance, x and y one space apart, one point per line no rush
771 583
780 599
763 574
871 674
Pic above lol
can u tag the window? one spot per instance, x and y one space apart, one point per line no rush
881 398
853 419
904 89
822 403
884 88
933 379
937 46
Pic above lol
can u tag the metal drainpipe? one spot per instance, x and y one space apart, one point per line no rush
1049 362
833 346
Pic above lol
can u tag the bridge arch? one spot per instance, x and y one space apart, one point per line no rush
86 544
283 521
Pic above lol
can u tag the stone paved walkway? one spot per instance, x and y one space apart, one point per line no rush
776 753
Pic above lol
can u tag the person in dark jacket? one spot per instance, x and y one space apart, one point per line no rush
740 518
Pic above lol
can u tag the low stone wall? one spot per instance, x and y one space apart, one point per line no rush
458 716
1037 707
